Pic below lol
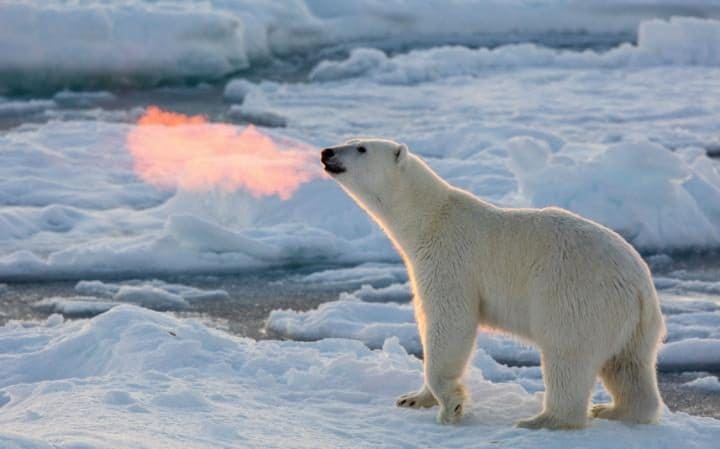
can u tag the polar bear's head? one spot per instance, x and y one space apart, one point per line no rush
368 169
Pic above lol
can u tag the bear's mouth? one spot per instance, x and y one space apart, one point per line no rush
333 167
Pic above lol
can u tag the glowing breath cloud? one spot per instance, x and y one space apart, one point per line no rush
172 150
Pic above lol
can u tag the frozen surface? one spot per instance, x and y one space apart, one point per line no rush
95 297
23 108
692 342
657 198
367 273
607 146
46 43
705 383
680 41
118 378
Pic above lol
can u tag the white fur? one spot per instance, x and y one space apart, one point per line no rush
573 287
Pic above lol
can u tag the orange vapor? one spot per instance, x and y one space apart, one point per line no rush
172 150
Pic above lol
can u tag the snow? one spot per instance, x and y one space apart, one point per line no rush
95 297
494 95
693 285
46 43
73 207
256 116
71 99
237 89
113 381
20 108
637 188
705 383
679 41
606 146
361 274
692 342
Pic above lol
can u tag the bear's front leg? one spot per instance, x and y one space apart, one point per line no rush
419 399
449 340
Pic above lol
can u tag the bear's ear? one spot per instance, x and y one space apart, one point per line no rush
401 153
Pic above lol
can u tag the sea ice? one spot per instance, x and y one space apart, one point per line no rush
116 379
692 342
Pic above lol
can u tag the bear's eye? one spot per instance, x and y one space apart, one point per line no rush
361 149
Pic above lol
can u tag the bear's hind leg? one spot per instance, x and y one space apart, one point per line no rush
569 380
633 386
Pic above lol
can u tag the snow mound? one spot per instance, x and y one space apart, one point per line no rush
71 99
693 327
237 89
61 386
77 306
679 41
654 197
52 43
120 290
367 273
22 108
689 285
391 293
97 297
706 383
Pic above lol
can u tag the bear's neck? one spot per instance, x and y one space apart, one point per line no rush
414 206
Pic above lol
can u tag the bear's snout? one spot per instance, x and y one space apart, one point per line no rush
332 164
326 154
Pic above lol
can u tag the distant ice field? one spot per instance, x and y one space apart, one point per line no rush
625 145
49 44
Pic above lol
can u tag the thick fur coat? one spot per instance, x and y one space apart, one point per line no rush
574 288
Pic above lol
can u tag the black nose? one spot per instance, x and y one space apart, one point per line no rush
326 154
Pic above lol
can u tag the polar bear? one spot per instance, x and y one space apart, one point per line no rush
572 287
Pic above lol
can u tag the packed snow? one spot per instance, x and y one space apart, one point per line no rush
133 378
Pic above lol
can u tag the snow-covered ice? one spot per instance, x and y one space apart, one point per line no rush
692 341
141 42
367 273
95 297
679 41
606 107
597 139
705 383
133 378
